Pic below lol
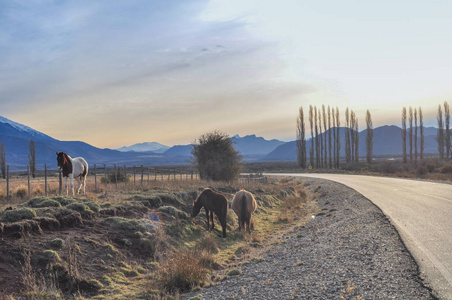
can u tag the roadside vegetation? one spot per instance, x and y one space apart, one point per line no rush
137 243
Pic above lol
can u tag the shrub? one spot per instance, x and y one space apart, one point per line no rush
216 157
57 243
174 211
181 272
21 192
111 178
125 224
17 215
447 169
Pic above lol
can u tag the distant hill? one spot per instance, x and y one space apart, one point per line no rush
145 147
387 140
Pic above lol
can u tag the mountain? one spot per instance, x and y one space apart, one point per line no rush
252 146
387 140
145 147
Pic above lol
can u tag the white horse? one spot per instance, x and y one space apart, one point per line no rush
73 166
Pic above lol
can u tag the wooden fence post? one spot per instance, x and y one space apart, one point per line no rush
142 175
149 176
45 176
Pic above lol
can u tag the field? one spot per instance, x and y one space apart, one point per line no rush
133 241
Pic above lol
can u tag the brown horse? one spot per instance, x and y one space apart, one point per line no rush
213 202
243 205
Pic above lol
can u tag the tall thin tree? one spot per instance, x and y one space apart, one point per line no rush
347 136
325 132
404 150
317 145
447 130
369 138
330 159
421 132
440 135
32 158
3 159
338 144
311 123
410 119
356 139
321 134
333 114
352 136
415 133
301 139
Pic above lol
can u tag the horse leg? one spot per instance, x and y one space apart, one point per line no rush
248 228
211 218
240 223
223 225
72 183
208 220
79 184
84 183
65 183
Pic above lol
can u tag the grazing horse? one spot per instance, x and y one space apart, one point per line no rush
243 204
71 167
213 202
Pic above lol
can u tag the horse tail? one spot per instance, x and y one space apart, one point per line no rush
244 214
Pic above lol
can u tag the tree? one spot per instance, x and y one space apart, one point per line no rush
410 118
329 138
32 158
347 136
447 131
421 132
216 157
317 145
369 138
356 139
338 144
3 159
311 123
301 139
415 134
404 135
352 136
325 147
440 135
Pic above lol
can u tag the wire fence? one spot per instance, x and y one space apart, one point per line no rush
21 185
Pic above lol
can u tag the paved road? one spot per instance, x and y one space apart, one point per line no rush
421 212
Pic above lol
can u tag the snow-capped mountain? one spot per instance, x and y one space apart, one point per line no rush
145 147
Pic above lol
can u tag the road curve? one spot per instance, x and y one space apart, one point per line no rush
421 212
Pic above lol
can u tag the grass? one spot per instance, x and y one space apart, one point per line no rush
140 242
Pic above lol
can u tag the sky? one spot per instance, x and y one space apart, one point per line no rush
115 73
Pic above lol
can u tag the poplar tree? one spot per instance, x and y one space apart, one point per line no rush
333 114
447 131
356 139
421 131
369 138
347 135
404 151
410 118
3 159
317 146
338 137
440 135
32 158
311 123
330 161
301 139
415 134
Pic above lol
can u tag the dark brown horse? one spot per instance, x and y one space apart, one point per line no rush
243 204
213 202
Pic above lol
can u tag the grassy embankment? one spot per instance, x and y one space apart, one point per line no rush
136 242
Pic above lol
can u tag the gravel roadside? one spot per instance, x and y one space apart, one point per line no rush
348 251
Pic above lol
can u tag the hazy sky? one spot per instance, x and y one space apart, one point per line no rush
115 73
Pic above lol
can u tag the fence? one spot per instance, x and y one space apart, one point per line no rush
49 182
253 178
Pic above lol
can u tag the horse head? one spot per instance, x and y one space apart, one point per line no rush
61 159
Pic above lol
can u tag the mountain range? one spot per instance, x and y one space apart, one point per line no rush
387 141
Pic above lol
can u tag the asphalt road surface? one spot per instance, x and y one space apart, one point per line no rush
421 212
